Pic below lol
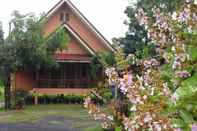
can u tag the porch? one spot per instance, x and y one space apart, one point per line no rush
66 75
67 78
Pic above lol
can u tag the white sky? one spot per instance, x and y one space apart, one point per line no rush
106 15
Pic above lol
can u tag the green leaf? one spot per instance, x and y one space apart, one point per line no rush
118 128
178 123
192 52
186 116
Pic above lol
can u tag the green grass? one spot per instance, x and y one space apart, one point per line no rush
76 113
1 92
97 128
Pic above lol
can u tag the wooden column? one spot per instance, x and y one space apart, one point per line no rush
36 100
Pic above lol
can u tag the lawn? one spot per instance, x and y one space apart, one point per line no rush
33 114
1 92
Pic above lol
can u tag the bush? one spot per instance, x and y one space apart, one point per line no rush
19 99
56 99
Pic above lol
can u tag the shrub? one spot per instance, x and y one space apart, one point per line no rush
19 99
56 99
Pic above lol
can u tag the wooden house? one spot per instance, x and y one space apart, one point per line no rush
73 75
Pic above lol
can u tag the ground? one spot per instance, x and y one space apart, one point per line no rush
48 118
1 92
1 96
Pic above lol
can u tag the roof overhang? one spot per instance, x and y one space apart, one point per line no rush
84 20
72 58
79 39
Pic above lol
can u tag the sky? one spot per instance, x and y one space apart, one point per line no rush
106 15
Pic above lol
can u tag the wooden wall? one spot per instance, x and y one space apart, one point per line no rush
24 80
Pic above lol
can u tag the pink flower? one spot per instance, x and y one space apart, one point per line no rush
194 127
87 102
150 63
178 129
183 74
141 17
174 98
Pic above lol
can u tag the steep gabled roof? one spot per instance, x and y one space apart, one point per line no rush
83 18
80 40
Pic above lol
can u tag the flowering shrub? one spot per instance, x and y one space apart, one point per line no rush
162 96
106 120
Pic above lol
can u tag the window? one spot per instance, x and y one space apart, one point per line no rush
64 17
67 17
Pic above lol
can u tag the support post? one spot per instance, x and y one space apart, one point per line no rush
36 100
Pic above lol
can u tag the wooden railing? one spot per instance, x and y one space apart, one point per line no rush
64 83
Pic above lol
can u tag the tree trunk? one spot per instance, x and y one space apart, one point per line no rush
7 92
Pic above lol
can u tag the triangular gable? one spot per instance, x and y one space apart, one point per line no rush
79 39
97 34
76 51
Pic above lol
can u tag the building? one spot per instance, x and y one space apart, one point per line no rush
73 76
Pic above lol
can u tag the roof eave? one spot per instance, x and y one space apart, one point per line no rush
79 39
85 20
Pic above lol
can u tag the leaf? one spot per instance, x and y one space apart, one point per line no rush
188 88
118 128
186 116
193 53
178 123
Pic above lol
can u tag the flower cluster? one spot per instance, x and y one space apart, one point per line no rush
112 75
141 17
160 31
183 74
164 33
147 92
111 72
150 63
125 83
168 32
147 121
105 120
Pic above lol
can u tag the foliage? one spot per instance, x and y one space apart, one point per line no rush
19 100
26 47
162 96
57 40
1 34
136 38
95 66
106 58
100 60
55 99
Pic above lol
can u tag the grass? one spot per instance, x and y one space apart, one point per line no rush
1 92
76 113
97 128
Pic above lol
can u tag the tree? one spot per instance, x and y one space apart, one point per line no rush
1 34
136 39
26 47
163 95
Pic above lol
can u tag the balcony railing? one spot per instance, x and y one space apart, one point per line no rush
65 83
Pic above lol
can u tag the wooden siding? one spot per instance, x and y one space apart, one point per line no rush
59 91
78 25
24 80
74 47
